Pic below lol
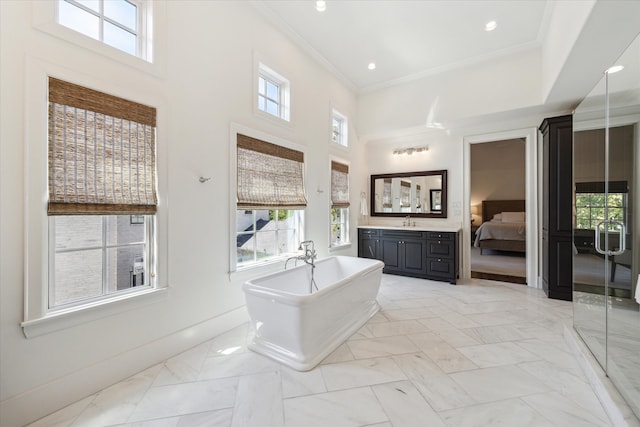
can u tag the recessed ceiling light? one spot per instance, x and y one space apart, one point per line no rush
371 66
615 69
321 5
490 26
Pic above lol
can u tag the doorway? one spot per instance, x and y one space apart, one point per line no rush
497 176
529 135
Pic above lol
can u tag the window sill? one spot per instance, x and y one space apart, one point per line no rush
340 247
57 321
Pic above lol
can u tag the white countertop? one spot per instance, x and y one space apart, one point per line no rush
445 228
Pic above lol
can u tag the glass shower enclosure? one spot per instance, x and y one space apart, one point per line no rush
606 262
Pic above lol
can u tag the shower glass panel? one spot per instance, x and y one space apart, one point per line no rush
606 224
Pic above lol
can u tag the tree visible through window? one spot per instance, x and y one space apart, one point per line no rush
590 208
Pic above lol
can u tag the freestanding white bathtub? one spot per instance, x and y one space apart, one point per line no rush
300 329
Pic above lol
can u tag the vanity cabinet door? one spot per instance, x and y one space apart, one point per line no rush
414 255
368 244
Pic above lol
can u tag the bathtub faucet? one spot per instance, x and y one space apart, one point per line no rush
309 254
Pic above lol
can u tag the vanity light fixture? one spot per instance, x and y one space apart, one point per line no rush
490 26
410 150
321 5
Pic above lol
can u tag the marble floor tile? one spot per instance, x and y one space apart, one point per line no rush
498 383
340 354
436 387
187 398
496 334
296 383
65 416
572 385
345 408
405 406
115 404
456 337
408 314
497 354
358 373
384 346
259 401
564 412
512 412
184 367
402 327
445 356
236 365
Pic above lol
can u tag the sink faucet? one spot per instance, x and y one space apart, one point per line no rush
407 221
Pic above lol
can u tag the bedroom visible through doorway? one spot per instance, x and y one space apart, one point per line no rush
497 206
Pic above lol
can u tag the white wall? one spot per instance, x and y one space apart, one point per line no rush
206 83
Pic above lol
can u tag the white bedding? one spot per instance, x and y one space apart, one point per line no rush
500 231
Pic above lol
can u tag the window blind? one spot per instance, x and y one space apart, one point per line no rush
101 153
339 185
269 176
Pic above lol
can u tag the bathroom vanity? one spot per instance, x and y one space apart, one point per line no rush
426 253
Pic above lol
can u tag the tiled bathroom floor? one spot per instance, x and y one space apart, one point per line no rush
477 354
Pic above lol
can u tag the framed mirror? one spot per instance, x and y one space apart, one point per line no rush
419 194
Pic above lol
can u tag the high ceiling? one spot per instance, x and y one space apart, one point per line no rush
407 39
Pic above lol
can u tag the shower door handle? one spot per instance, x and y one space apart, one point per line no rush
622 233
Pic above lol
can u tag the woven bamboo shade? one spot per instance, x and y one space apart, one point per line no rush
269 176
101 153
339 185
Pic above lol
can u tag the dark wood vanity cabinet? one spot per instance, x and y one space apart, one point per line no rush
424 254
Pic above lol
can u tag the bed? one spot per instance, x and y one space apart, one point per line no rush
509 236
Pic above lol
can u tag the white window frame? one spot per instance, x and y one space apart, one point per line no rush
299 221
344 231
149 266
38 320
284 85
346 211
236 129
342 133
143 47
45 19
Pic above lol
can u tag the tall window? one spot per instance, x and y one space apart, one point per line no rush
102 195
339 129
271 201
118 23
273 93
339 226
590 203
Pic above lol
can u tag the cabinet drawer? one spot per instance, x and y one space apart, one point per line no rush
440 235
402 235
441 248
441 267
368 231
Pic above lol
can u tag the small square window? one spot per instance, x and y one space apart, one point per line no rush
273 93
117 23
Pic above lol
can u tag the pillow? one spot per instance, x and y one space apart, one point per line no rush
513 217
497 218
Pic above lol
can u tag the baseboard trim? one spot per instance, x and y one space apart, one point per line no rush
499 277
48 398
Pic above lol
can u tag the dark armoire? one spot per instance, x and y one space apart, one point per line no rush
557 205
